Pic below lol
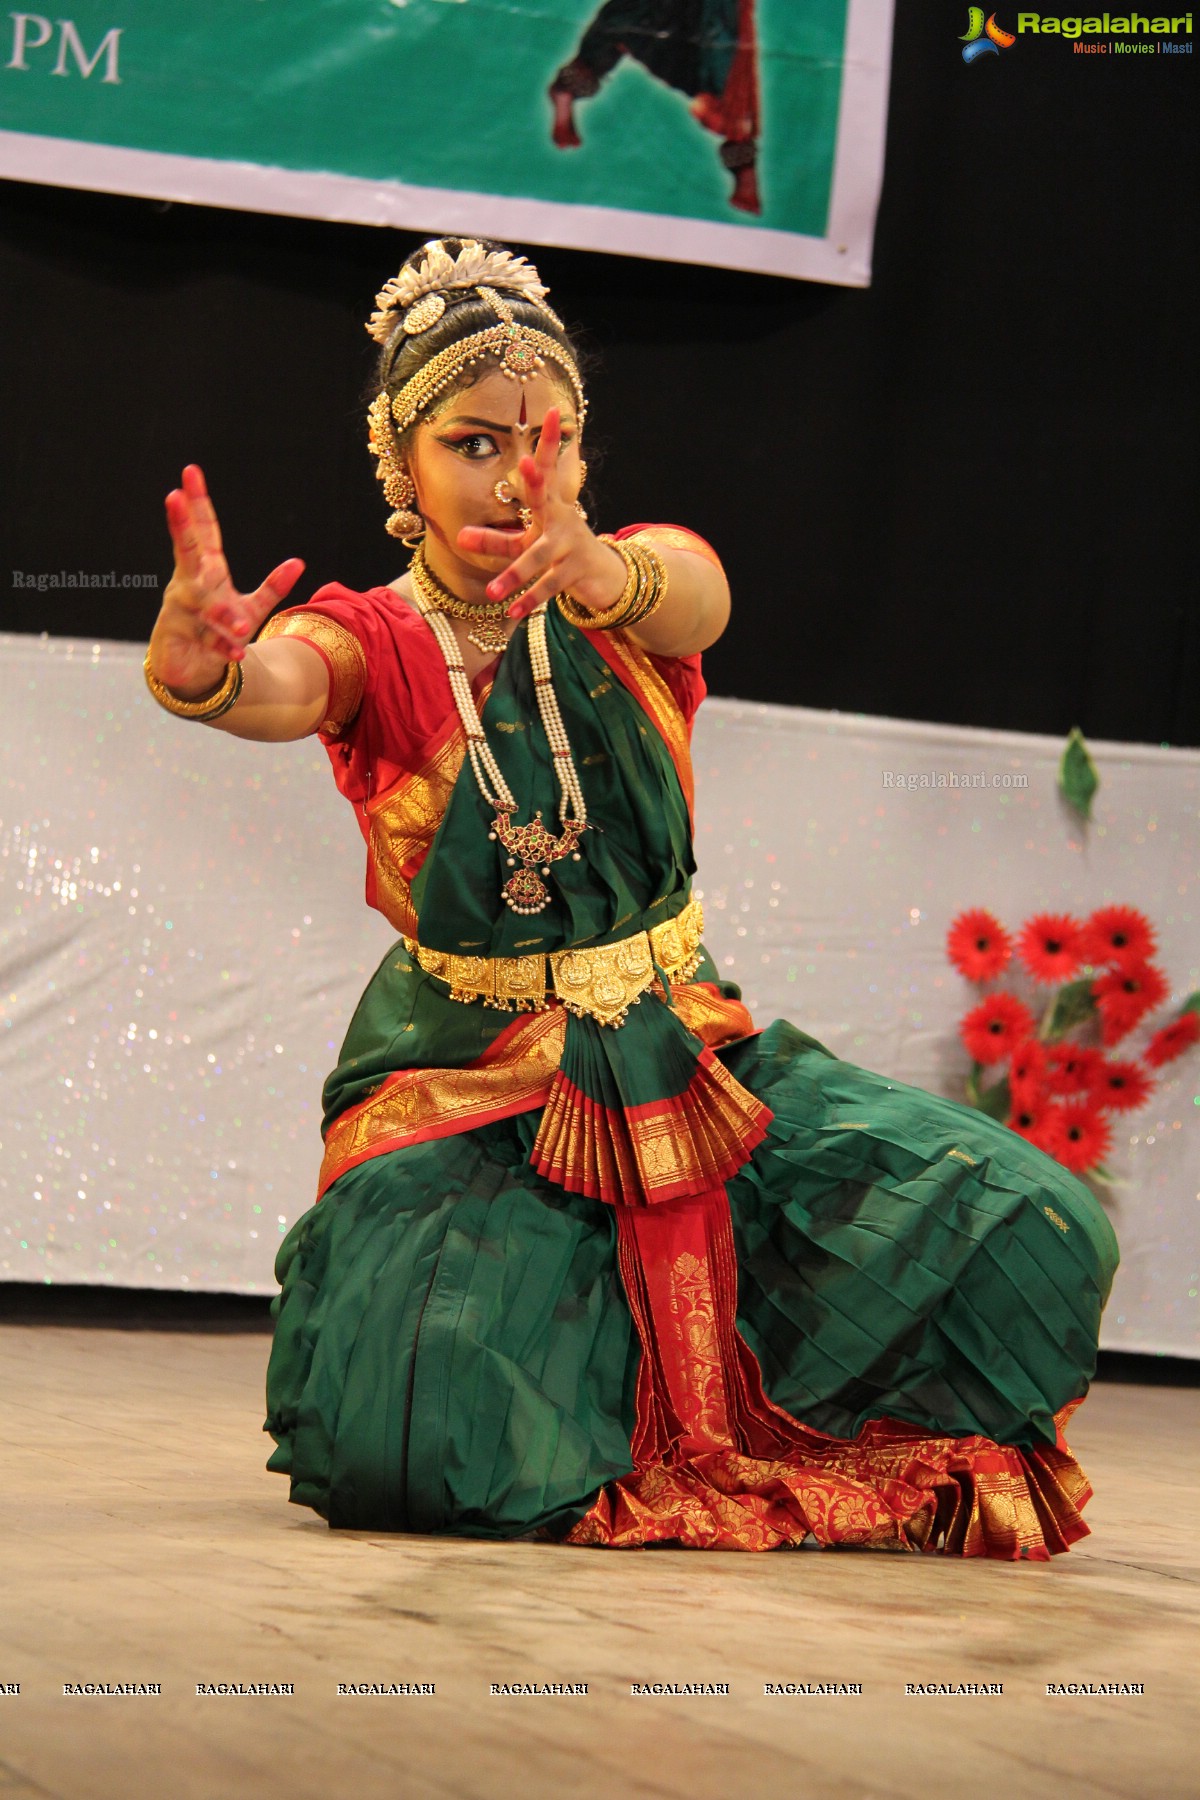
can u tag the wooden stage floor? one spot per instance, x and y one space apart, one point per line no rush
143 1541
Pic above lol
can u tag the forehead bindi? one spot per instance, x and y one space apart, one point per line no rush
502 404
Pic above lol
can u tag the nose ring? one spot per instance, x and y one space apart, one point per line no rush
504 493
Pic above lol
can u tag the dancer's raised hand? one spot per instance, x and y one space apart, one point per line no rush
205 622
559 551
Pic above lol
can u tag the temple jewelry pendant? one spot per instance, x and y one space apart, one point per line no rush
488 637
532 844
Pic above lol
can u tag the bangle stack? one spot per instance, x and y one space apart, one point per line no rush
204 711
644 591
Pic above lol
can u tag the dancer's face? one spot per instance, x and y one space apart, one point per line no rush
476 439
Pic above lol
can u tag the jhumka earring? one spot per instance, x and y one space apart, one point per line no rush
406 523
399 491
580 508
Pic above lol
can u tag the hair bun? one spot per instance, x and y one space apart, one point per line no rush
418 291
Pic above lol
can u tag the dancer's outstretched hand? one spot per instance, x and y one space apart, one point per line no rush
559 552
204 622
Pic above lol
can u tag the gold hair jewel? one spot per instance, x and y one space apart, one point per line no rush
439 273
423 314
521 351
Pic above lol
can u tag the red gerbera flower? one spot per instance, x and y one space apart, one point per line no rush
1071 1068
978 945
1125 995
1049 946
1115 936
992 1028
1031 1119
1027 1071
1121 1086
1173 1039
1078 1136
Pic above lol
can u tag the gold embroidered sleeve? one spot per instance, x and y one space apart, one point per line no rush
677 537
343 654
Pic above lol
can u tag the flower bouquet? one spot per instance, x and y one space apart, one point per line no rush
1057 1085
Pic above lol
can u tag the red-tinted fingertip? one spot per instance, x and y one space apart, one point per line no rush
285 577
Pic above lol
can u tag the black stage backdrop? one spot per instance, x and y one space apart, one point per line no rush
963 495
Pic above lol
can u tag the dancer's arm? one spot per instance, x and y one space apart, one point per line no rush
560 552
205 623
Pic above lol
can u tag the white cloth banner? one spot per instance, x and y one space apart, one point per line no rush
748 134
183 939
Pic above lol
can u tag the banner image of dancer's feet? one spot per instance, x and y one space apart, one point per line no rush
743 133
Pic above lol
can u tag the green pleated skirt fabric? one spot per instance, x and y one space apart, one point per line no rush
453 1351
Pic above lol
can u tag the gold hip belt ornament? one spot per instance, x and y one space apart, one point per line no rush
600 981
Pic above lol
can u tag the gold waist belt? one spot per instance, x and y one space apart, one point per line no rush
602 981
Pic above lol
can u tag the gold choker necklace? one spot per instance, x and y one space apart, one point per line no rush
489 635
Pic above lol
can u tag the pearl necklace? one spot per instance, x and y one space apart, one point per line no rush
488 635
531 844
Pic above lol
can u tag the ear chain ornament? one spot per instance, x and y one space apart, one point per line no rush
399 491
533 845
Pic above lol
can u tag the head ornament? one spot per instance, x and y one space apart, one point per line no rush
439 273
413 301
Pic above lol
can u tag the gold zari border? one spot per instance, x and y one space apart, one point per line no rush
343 654
414 1105
401 825
601 981
678 537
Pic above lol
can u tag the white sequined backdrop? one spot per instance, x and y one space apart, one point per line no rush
183 939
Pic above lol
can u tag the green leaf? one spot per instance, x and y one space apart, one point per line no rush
996 1101
1191 1004
1077 776
1073 1003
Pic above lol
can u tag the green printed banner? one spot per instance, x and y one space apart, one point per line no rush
743 133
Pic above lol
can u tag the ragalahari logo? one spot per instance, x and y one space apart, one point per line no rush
983 38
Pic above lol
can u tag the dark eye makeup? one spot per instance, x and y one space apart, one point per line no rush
476 446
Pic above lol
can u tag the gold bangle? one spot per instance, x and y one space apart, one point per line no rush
644 591
201 711
654 587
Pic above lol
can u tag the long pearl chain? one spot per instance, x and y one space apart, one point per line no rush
530 844
572 804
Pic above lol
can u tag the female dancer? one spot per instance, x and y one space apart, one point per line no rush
593 1257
